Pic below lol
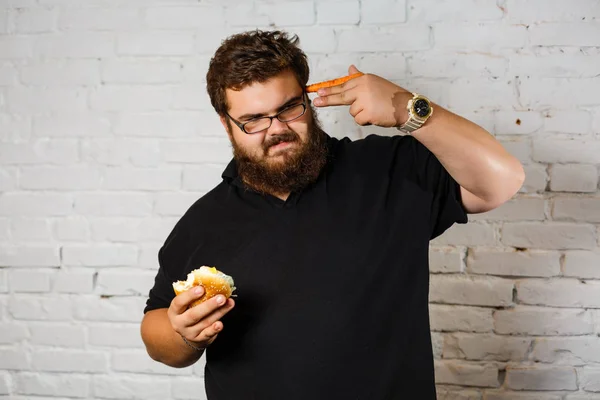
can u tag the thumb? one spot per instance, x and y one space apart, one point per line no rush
352 70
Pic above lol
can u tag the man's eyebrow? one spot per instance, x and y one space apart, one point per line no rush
284 105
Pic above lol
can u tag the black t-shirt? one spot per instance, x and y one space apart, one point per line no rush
332 284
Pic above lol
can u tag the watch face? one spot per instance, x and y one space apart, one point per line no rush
421 108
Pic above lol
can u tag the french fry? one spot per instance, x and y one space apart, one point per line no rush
334 82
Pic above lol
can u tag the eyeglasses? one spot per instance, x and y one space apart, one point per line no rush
256 125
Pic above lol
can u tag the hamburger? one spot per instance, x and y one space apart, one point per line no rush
214 282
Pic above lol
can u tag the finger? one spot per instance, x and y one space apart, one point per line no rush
210 333
328 91
361 119
352 69
211 318
182 301
355 108
203 310
343 98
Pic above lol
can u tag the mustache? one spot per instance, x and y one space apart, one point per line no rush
280 138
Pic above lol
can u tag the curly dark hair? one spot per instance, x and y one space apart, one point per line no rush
253 56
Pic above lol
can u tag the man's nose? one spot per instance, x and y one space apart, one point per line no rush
277 127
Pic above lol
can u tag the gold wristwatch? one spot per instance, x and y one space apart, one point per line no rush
419 110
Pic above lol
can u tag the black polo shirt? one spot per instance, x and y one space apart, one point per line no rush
332 284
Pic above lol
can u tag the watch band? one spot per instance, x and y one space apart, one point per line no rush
414 122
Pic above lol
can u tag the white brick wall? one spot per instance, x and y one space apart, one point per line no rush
107 136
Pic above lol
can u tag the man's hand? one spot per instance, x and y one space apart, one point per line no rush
372 99
200 324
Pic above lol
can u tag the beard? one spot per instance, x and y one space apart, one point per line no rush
298 169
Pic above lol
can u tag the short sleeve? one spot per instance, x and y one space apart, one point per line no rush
162 293
446 206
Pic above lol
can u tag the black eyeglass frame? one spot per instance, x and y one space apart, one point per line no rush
242 125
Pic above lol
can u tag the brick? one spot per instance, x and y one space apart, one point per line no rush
155 229
8 179
138 361
479 36
41 151
437 343
471 234
395 12
115 229
297 13
384 38
130 98
205 151
468 374
75 45
149 179
524 320
541 92
100 19
30 229
188 388
46 308
192 96
447 393
99 255
555 235
565 34
581 397
541 378
590 379
434 11
72 229
131 387
155 43
582 264
208 40
171 125
485 347
5 383
183 17
8 75
470 291
517 122
567 121
13 359
137 152
29 281
76 124
57 385
447 318
63 360
29 256
459 65
57 335
149 256
513 263
118 336
4 229
35 99
35 20
573 178
174 204
566 151
202 178
510 395
559 293
536 179
113 204
110 309
124 282
61 72
528 11
135 71
516 209
338 12
12 47
552 65
74 280
12 332
445 260
577 351
585 209
14 127
60 178
389 65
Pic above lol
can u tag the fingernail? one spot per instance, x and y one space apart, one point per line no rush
220 300
321 92
317 101
198 290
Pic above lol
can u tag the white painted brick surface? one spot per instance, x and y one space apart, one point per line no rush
107 137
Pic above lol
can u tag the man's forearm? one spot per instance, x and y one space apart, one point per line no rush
472 156
163 343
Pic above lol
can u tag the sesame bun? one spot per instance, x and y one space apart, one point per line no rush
214 282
